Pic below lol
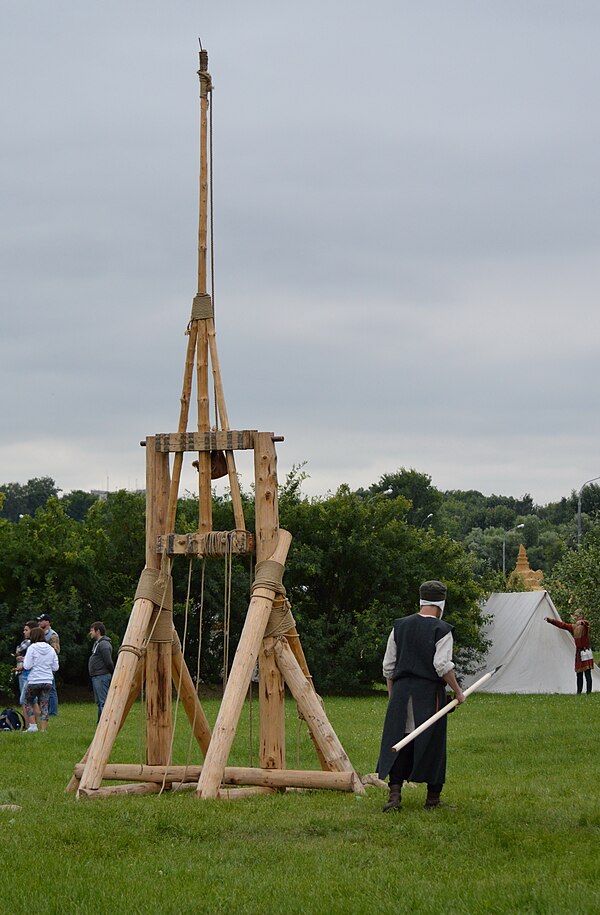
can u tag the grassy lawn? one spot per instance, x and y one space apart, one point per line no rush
522 833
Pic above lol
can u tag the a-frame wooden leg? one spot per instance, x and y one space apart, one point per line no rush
118 694
314 713
134 692
244 661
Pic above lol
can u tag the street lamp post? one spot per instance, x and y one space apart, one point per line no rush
517 528
426 518
587 482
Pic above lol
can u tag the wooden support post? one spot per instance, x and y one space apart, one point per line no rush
251 638
265 481
159 725
314 713
272 724
204 474
204 481
189 697
159 703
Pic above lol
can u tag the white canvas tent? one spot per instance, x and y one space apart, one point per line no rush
535 657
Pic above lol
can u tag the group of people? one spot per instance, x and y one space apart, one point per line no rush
37 663
418 667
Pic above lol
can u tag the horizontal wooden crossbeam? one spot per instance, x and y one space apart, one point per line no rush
216 543
205 441
233 775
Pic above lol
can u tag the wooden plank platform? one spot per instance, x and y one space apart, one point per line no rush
217 543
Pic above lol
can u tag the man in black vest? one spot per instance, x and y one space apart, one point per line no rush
417 666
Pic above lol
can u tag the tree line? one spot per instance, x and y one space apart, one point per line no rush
356 561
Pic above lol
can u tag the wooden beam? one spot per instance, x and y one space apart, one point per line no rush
233 775
118 791
272 709
159 724
218 543
205 441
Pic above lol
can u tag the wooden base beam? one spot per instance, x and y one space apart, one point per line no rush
233 775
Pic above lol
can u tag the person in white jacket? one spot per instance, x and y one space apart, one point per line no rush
41 661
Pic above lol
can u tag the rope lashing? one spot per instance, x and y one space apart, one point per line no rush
161 626
280 620
152 586
216 542
202 307
269 574
138 652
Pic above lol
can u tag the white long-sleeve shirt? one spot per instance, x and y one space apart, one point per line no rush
41 661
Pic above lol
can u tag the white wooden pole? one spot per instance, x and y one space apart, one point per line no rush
443 711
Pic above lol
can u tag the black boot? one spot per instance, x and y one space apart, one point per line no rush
433 799
395 799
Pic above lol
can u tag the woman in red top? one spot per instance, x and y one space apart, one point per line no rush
584 659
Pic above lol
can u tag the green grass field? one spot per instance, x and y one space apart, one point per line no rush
521 832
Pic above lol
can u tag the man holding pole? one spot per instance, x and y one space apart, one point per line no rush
417 666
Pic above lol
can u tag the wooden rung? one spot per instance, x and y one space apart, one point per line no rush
205 441
217 543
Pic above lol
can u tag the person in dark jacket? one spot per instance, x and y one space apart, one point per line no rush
100 664
417 666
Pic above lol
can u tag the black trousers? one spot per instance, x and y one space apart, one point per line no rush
403 766
588 680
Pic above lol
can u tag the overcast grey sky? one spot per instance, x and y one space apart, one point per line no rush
407 231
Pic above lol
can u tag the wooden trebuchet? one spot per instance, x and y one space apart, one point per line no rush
239 678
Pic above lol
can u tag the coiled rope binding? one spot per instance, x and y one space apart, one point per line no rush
159 590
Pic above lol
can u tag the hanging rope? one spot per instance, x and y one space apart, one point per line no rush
183 645
227 607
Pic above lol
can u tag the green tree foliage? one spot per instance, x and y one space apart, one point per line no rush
25 499
77 503
423 498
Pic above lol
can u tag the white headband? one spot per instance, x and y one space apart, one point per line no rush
433 603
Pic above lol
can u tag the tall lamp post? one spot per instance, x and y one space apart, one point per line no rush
426 518
517 528
587 482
